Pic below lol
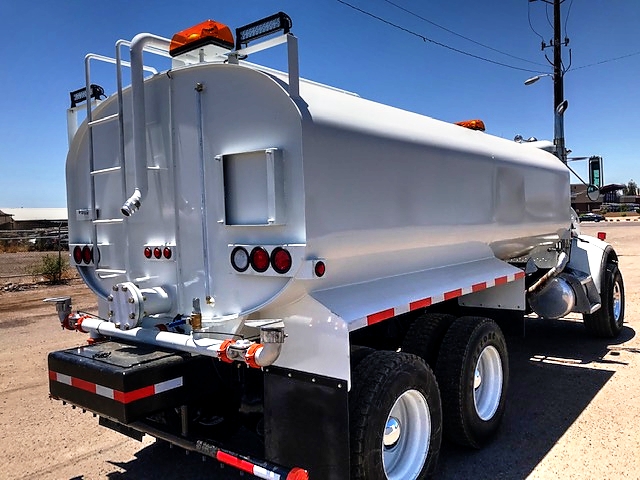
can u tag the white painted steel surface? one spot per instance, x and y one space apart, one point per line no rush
375 191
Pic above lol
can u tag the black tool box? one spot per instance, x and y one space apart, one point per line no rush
122 381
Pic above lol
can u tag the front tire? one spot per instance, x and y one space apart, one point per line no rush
473 373
607 322
395 418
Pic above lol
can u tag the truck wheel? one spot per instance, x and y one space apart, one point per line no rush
607 321
473 373
425 335
395 418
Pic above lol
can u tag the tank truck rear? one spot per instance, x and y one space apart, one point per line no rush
274 253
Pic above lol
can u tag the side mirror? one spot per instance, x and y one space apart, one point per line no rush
593 193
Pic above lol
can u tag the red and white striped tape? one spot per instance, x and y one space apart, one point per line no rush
117 395
428 301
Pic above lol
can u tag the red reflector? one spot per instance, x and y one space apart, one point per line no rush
298 474
157 252
148 252
602 236
259 259
167 253
280 260
320 269
77 254
87 254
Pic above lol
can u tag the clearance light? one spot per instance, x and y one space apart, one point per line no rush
259 259
280 260
148 252
205 33
157 252
298 474
320 269
602 236
240 259
77 254
87 254
166 253
472 124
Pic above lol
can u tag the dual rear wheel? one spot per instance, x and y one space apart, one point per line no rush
396 412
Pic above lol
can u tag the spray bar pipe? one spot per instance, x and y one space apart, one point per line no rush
254 354
141 180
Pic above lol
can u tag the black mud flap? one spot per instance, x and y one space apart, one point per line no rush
121 381
306 419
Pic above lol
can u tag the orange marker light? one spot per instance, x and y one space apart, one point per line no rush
472 124
205 33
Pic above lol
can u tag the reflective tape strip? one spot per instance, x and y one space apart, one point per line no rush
426 302
116 395
246 466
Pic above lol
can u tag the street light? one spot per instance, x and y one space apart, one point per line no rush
532 80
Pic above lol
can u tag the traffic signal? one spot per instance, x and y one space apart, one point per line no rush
595 171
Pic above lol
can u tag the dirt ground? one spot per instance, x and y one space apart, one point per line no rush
573 403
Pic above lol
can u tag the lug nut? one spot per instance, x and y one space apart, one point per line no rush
115 288
132 316
110 298
124 288
131 300
111 313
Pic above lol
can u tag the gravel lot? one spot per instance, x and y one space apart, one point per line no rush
573 409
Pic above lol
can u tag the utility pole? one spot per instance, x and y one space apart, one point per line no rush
559 103
558 84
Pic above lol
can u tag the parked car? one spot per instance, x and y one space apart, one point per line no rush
591 217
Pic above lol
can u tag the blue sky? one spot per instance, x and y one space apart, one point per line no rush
43 43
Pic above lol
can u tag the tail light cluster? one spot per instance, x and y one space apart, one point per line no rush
259 259
84 255
158 252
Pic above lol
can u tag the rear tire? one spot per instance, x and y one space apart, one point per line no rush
473 374
395 418
425 335
607 322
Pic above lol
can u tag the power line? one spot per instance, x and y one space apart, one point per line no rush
427 39
530 25
459 35
607 61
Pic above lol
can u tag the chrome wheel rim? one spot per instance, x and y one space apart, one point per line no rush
617 302
487 383
406 438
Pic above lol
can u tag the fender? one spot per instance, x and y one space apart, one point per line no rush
590 255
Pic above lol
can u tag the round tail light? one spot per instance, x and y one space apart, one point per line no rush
77 254
87 254
259 259
280 260
320 269
240 259
166 253
148 252
157 252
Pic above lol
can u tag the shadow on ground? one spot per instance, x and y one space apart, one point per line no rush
552 380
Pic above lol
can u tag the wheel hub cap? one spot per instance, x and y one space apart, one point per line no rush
406 437
487 383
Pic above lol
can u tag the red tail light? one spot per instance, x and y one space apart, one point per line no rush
87 254
77 254
157 252
167 253
148 252
280 260
320 269
259 259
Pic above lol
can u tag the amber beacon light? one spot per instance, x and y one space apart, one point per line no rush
205 33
